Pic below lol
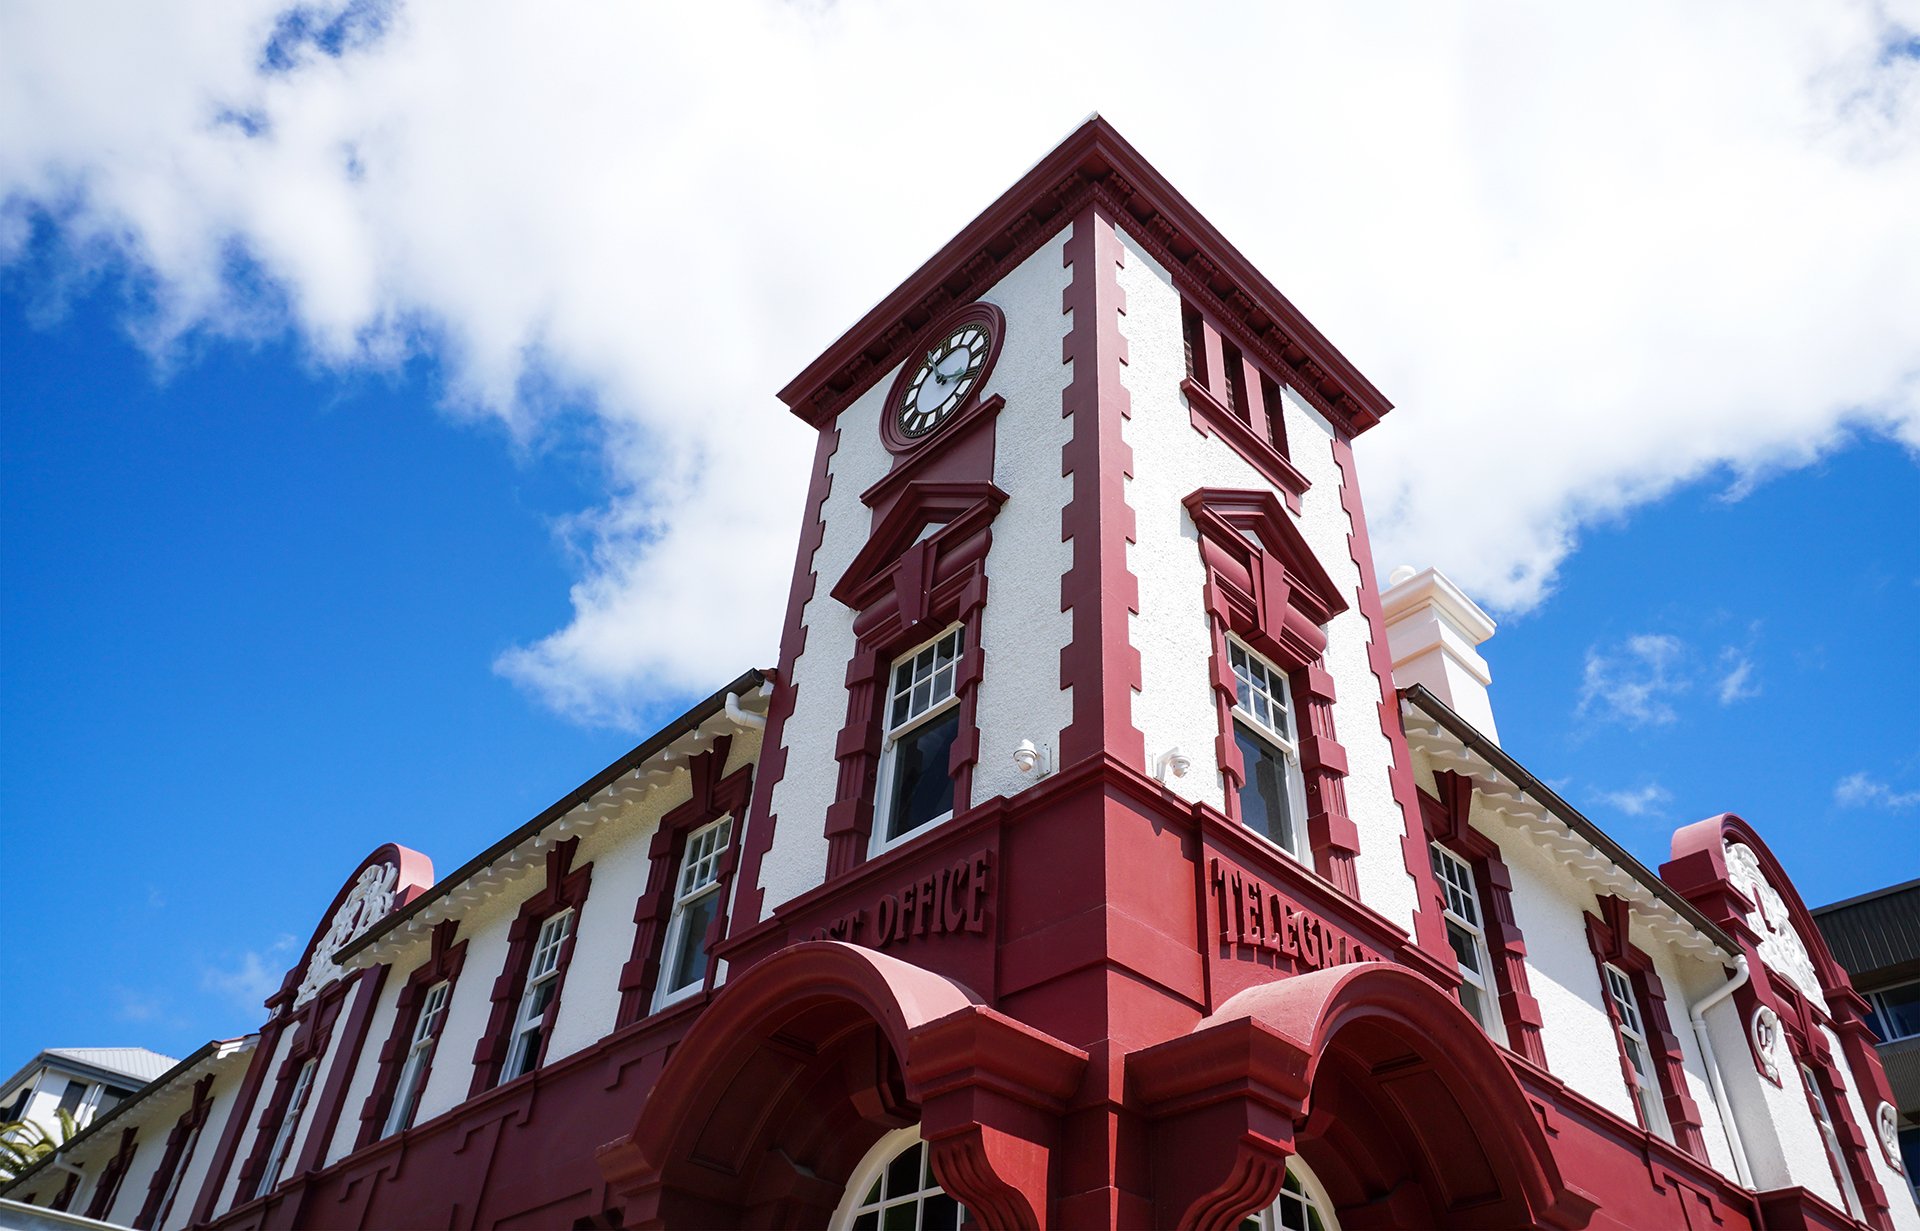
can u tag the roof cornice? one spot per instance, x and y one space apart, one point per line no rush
506 858
1094 163
1522 800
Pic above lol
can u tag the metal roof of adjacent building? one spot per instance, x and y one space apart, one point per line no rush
1876 936
136 1062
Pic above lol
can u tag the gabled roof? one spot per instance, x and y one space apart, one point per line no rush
1095 162
204 1058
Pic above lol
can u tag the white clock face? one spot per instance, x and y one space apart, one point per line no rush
946 376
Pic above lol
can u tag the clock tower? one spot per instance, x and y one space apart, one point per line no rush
1084 658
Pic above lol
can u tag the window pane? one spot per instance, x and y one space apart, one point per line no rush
1464 948
903 1173
900 1217
688 962
1902 1016
1473 1000
1265 806
923 784
940 1213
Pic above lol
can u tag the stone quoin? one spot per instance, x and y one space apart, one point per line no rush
1105 850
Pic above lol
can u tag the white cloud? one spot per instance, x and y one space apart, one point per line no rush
253 975
1736 681
138 1006
1862 790
1636 681
1591 253
1649 800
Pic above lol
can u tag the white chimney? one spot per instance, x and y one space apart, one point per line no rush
1432 631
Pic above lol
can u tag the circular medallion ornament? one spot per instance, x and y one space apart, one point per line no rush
1886 1126
945 377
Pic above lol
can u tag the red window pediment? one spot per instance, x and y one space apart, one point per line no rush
1264 571
934 535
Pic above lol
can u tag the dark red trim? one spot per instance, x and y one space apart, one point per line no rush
176 1156
413 876
1448 823
313 1029
1208 269
868 1038
1265 587
749 899
1429 929
443 964
64 1198
115 1171
324 1111
1607 937
566 888
713 796
902 593
1698 869
1229 396
239 1119
1100 661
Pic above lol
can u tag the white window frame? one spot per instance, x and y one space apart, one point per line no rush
1307 1194
1633 1040
413 1072
936 707
1266 686
1830 1137
1460 906
289 1127
543 967
1882 1015
697 878
871 1168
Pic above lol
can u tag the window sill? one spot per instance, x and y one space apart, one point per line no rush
918 831
1210 417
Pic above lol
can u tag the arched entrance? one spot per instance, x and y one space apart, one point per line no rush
1398 1102
806 1060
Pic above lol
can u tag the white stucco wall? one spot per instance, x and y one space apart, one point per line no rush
257 1114
484 928
1175 705
1684 980
797 859
1575 1030
225 1093
155 1117
360 1085
1023 629
336 1054
1898 1189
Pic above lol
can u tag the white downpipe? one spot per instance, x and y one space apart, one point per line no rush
744 718
1698 1016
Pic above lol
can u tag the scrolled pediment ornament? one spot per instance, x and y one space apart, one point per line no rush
366 904
1781 947
1769 1043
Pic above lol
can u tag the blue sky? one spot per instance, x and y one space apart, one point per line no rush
362 464
250 614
